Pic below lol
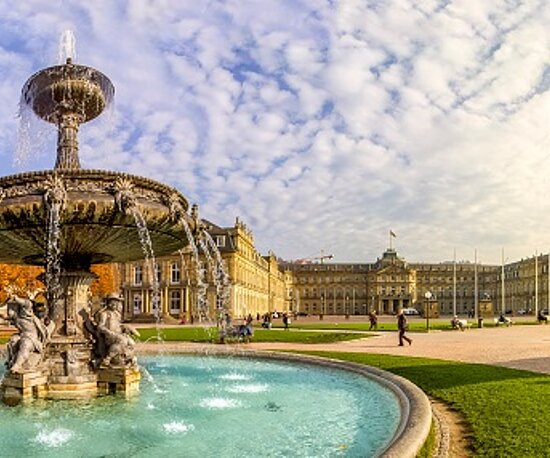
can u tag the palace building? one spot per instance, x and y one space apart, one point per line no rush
262 283
257 284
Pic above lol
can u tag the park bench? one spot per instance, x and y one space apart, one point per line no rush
503 321
460 324
240 333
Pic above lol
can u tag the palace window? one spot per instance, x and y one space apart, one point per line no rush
137 304
175 273
175 302
158 273
220 240
138 275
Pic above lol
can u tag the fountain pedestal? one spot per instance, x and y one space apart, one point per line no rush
70 352
118 380
22 387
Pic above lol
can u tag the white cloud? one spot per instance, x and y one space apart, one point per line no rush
321 124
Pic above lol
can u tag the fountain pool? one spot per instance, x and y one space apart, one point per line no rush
214 406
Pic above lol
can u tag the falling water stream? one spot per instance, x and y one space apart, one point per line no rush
53 252
202 286
222 280
150 262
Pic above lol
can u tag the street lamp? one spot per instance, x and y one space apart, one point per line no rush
428 296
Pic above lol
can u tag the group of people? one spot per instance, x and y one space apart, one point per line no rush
243 331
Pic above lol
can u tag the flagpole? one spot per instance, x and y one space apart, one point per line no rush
476 305
390 241
454 283
548 285
536 284
502 284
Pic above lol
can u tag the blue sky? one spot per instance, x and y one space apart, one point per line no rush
321 124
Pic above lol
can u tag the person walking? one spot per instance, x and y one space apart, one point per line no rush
286 321
402 328
373 320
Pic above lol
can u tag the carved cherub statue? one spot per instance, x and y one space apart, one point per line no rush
114 341
25 349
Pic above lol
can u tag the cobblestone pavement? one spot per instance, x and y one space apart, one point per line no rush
522 347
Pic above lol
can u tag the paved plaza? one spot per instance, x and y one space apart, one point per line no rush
519 346
522 347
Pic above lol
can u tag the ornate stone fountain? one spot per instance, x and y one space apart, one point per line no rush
67 219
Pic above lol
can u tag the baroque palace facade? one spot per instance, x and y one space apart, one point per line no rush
263 283
391 283
257 282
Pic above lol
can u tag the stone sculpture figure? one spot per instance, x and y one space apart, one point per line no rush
26 348
115 346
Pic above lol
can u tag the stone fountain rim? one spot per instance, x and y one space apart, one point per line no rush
415 408
95 174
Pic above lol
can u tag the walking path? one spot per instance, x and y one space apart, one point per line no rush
521 347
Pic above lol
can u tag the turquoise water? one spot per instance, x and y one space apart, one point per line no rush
193 406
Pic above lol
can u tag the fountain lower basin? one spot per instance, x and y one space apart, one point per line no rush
228 406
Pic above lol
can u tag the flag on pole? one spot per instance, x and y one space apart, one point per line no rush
392 233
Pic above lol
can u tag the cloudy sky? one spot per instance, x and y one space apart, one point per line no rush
322 124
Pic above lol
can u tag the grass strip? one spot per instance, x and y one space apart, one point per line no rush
507 409
205 335
414 326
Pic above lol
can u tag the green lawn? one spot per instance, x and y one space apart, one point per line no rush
414 326
437 324
508 410
199 334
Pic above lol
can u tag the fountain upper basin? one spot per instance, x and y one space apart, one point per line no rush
97 220
68 88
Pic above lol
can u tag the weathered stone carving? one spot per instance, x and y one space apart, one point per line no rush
125 198
114 343
26 348
198 226
173 202
55 193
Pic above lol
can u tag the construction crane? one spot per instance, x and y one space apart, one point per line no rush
310 259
